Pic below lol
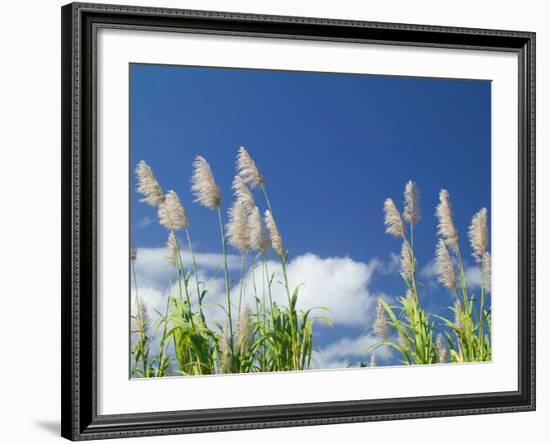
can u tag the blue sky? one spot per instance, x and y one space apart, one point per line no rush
331 146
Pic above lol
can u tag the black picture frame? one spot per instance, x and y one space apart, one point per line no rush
80 420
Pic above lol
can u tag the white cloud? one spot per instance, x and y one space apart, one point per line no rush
153 298
391 266
144 222
473 276
429 271
152 270
338 283
341 353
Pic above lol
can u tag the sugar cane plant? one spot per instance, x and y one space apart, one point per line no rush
262 333
272 337
465 337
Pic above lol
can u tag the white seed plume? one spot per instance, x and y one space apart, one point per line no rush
380 326
445 267
171 213
392 219
204 186
148 185
244 334
446 228
172 249
487 272
373 361
441 347
458 314
409 296
255 228
411 212
226 356
141 319
407 260
275 237
247 169
259 237
242 193
403 342
479 234
225 341
237 228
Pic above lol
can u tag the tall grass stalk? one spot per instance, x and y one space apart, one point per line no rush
208 194
195 273
241 282
279 336
465 336
414 330
141 349
164 360
227 282
272 338
472 344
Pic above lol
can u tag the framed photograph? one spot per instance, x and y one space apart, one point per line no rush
282 221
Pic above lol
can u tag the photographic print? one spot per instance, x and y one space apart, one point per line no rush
274 221
256 206
292 221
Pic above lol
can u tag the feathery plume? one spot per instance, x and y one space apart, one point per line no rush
148 185
380 326
446 228
237 227
407 260
242 193
409 297
244 334
141 319
172 249
171 213
441 347
458 314
373 361
479 234
411 212
146 347
133 254
259 238
403 342
226 356
445 267
275 237
392 219
247 169
204 186
487 272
